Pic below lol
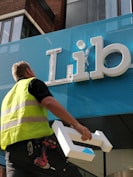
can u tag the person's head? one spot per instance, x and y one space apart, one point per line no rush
21 70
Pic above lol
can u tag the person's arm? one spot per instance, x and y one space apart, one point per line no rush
41 92
58 110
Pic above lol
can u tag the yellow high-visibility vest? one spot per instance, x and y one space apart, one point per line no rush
22 116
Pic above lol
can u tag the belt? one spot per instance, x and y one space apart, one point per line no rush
25 142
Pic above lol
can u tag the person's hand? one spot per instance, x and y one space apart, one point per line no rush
86 134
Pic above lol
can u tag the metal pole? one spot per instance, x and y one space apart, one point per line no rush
104 164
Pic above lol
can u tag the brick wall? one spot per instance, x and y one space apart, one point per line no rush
7 6
59 8
2 171
39 15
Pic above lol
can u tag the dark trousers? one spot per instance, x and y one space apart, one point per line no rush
20 161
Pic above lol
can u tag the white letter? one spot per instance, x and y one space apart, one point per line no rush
80 74
52 62
102 53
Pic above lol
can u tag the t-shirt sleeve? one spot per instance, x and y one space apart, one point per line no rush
39 89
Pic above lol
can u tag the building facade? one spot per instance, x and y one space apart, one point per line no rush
31 18
85 11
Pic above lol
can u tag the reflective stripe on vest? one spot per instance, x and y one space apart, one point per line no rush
23 120
13 109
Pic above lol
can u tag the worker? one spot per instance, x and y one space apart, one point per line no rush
31 149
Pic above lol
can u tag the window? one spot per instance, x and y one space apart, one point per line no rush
16 28
115 8
5 31
126 7
85 11
10 29
28 29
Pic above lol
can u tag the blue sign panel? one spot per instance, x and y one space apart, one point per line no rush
88 68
